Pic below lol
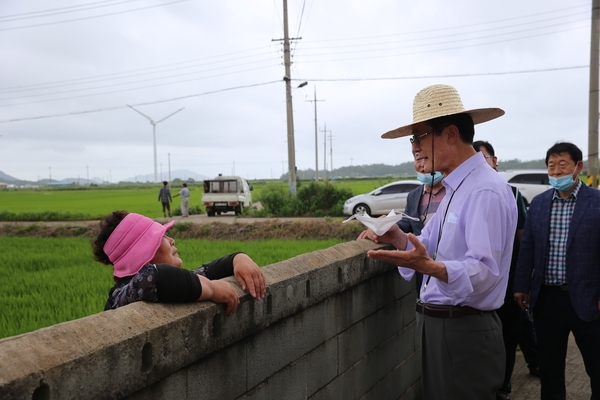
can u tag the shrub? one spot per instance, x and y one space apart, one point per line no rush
193 210
314 199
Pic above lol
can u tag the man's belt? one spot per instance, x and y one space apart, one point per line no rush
442 311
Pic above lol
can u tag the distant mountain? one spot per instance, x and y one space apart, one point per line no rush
82 181
182 174
6 178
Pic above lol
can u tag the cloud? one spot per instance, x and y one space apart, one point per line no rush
366 62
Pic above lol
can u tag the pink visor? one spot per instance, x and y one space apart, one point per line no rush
134 243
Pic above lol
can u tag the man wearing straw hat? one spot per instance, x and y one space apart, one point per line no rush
464 252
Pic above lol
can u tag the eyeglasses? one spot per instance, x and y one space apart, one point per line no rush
488 157
416 140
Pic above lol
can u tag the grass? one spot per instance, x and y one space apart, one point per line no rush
45 281
88 203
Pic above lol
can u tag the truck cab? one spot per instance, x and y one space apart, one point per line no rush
226 193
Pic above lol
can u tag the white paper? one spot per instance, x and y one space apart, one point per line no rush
380 225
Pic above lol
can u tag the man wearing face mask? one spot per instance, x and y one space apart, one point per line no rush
422 203
558 271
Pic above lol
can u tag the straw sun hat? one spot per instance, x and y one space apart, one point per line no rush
439 101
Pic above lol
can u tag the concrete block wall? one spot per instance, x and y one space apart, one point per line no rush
334 325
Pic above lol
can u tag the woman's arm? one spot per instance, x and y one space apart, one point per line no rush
246 272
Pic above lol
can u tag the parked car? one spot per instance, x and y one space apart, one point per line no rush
226 193
530 182
381 200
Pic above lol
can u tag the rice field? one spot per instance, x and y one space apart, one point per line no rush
45 281
88 203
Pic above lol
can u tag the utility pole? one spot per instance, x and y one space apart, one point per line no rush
325 150
87 167
288 97
169 158
316 136
331 151
593 105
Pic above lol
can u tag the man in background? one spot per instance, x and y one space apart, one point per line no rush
558 271
164 196
514 320
185 199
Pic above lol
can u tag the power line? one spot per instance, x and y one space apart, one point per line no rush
133 72
91 17
138 104
485 23
136 73
62 10
117 91
304 79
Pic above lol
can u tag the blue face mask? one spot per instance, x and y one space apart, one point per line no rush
562 183
425 179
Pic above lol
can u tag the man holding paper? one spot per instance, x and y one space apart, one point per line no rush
464 252
421 203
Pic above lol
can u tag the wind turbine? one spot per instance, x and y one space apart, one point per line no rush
154 134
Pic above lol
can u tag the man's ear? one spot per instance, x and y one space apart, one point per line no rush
453 134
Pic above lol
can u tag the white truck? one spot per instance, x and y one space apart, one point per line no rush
226 193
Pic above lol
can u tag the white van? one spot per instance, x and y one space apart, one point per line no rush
226 193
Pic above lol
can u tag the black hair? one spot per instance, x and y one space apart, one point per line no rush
462 121
107 225
185 185
488 147
165 183
565 147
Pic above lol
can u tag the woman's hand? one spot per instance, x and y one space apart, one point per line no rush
219 291
249 275
225 293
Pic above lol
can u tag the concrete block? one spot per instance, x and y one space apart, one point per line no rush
283 343
259 392
322 365
342 387
351 344
289 383
220 375
172 387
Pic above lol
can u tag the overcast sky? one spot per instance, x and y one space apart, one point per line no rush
69 68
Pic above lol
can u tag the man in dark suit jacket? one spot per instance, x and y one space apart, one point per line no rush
558 271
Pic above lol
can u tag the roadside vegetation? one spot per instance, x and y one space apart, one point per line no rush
93 202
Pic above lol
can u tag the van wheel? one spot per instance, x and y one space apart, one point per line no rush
239 209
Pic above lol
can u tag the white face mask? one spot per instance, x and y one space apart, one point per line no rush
562 183
426 178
